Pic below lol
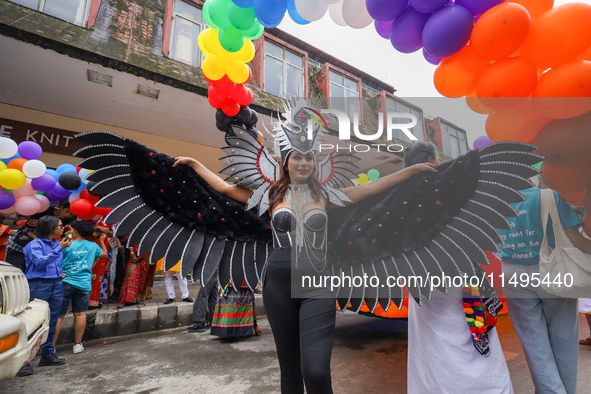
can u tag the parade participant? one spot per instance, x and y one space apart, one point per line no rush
138 278
235 313
420 221
169 282
43 258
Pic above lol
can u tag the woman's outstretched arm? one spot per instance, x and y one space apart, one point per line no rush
358 193
239 194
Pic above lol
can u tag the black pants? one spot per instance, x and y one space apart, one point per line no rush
303 329
205 302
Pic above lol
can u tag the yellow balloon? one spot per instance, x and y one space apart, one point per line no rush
2 166
246 53
12 179
204 50
225 63
211 42
362 179
239 74
211 70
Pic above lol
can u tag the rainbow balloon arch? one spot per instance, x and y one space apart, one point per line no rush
524 63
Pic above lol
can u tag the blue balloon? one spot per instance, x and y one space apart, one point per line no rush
17 156
243 3
82 187
53 173
66 168
269 12
293 13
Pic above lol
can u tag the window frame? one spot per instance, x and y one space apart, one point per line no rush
81 17
419 134
345 91
173 26
285 66
460 143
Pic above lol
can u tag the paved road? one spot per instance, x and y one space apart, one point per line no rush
369 357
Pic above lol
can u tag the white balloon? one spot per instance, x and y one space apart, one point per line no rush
34 168
73 196
336 14
311 10
355 14
83 174
331 1
25 190
45 203
8 148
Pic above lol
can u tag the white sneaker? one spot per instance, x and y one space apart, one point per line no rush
78 348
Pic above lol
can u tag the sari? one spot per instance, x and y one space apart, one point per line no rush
139 279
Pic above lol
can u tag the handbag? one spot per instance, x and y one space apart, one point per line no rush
565 271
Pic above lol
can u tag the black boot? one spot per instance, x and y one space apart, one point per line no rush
50 359
25 371
196 328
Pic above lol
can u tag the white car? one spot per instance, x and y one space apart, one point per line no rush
24 325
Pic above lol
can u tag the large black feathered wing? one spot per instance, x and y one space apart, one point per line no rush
173 213
432 224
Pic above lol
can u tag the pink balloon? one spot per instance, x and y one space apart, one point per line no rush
45 203
25 190
9 210
27 205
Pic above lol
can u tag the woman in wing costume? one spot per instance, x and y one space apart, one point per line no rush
420 221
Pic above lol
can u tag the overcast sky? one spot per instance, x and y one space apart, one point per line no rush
409 74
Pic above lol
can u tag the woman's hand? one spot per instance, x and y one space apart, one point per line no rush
186 160
421 167
65 243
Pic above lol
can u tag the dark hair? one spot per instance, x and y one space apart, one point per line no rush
83 227
278 189
63 203
419 152
46 225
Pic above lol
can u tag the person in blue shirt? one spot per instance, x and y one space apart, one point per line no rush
79 259
43 261
547 326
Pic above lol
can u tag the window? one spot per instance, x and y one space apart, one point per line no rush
398 106
284 72
344 94
454 141
187 22
73 11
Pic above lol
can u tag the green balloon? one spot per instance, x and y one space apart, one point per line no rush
218 12
254 32
373 174
231 39
207 17
537 165
241 18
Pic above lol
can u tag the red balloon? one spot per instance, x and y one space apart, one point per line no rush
225 85
80 207
214 104
101 211
86 195
519 123
249 74
230 107
216 94
89 216
239 93
247 99
507 82
567 179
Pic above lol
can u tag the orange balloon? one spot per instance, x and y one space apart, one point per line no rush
475 104
567 179
17 164
519 123
565 91
456 75
514 77
587 224
565 142
586 55
500 31
574 198
559 35
535 7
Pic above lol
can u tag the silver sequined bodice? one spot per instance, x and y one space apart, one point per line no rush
283 224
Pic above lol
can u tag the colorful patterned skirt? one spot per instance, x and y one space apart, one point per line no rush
235 313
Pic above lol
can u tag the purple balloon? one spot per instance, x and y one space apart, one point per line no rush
51 196
7 199
407 31
44 183
60 192
482 141
427 6
29 150
479 7
383 28
385 10
431 59
447 31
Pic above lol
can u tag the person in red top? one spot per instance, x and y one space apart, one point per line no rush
98 271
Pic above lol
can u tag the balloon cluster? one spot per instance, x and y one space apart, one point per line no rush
227 47
82 205
28 186
372 175
246 118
